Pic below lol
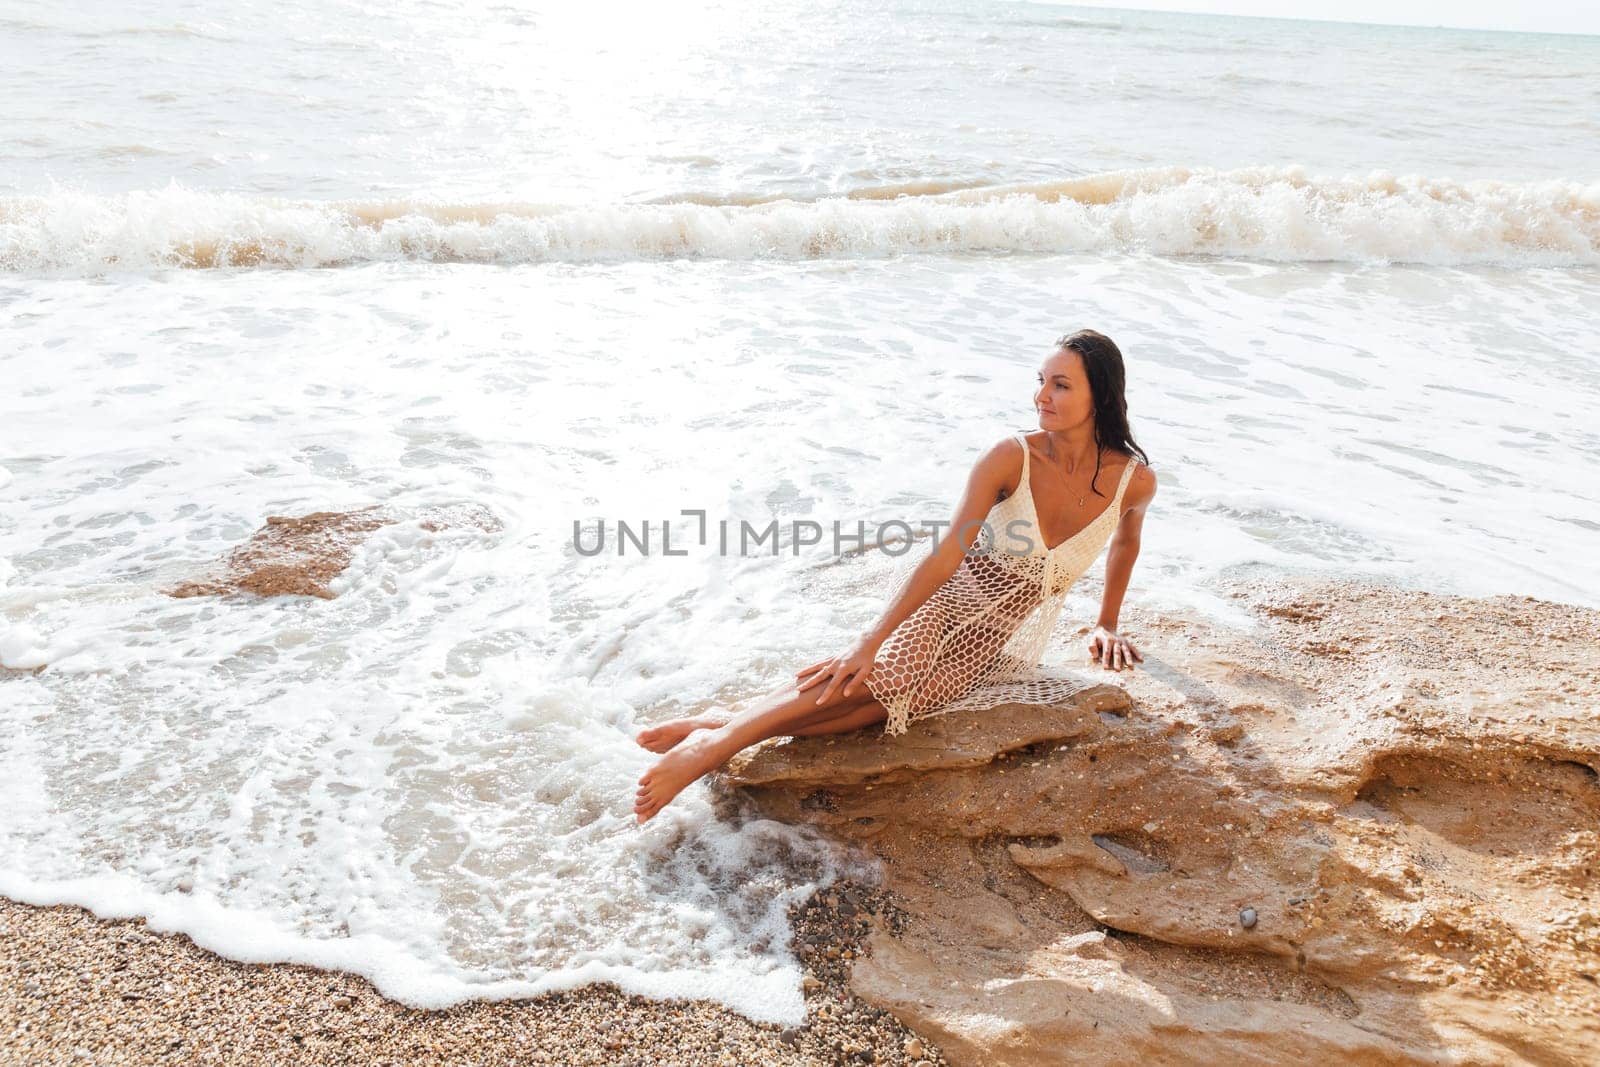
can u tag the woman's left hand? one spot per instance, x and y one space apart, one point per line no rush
1112 649
849 670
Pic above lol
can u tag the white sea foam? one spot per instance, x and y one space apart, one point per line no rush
468 854
1273 214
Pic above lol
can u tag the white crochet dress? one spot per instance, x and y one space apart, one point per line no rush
977 641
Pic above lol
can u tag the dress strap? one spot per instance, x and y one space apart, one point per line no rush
1127 476
1022 439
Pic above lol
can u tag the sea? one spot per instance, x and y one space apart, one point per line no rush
690 270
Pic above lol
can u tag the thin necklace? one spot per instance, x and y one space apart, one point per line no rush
1063 477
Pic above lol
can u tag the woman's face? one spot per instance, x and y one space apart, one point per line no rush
1063 400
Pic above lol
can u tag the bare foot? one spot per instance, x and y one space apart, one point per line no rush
662 737
672 772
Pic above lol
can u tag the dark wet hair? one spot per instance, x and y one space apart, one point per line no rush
1102 363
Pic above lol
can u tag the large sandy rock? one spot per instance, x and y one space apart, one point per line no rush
1365 832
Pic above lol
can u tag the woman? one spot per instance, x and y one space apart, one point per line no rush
966 627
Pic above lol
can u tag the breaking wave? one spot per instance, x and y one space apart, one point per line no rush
1276 214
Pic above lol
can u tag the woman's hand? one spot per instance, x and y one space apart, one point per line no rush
848 669
1112 649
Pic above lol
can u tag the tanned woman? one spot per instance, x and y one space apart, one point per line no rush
965 628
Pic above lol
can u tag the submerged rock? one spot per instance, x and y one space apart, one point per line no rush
299 555
1404 819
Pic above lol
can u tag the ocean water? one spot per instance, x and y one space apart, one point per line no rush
794 262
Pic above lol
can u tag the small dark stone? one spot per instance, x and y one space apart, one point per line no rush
1247 918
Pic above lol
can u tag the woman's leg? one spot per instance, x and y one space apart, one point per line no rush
666 735
790 712
845 721
704 750
662 736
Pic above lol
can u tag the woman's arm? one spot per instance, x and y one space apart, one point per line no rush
1110 648
989 476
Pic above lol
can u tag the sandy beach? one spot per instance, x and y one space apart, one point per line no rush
75 989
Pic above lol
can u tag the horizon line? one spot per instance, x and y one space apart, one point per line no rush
1323 21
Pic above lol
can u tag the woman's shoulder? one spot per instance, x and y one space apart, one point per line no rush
1002 464
1011 447
1141 484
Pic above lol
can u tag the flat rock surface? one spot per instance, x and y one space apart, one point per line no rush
940 743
